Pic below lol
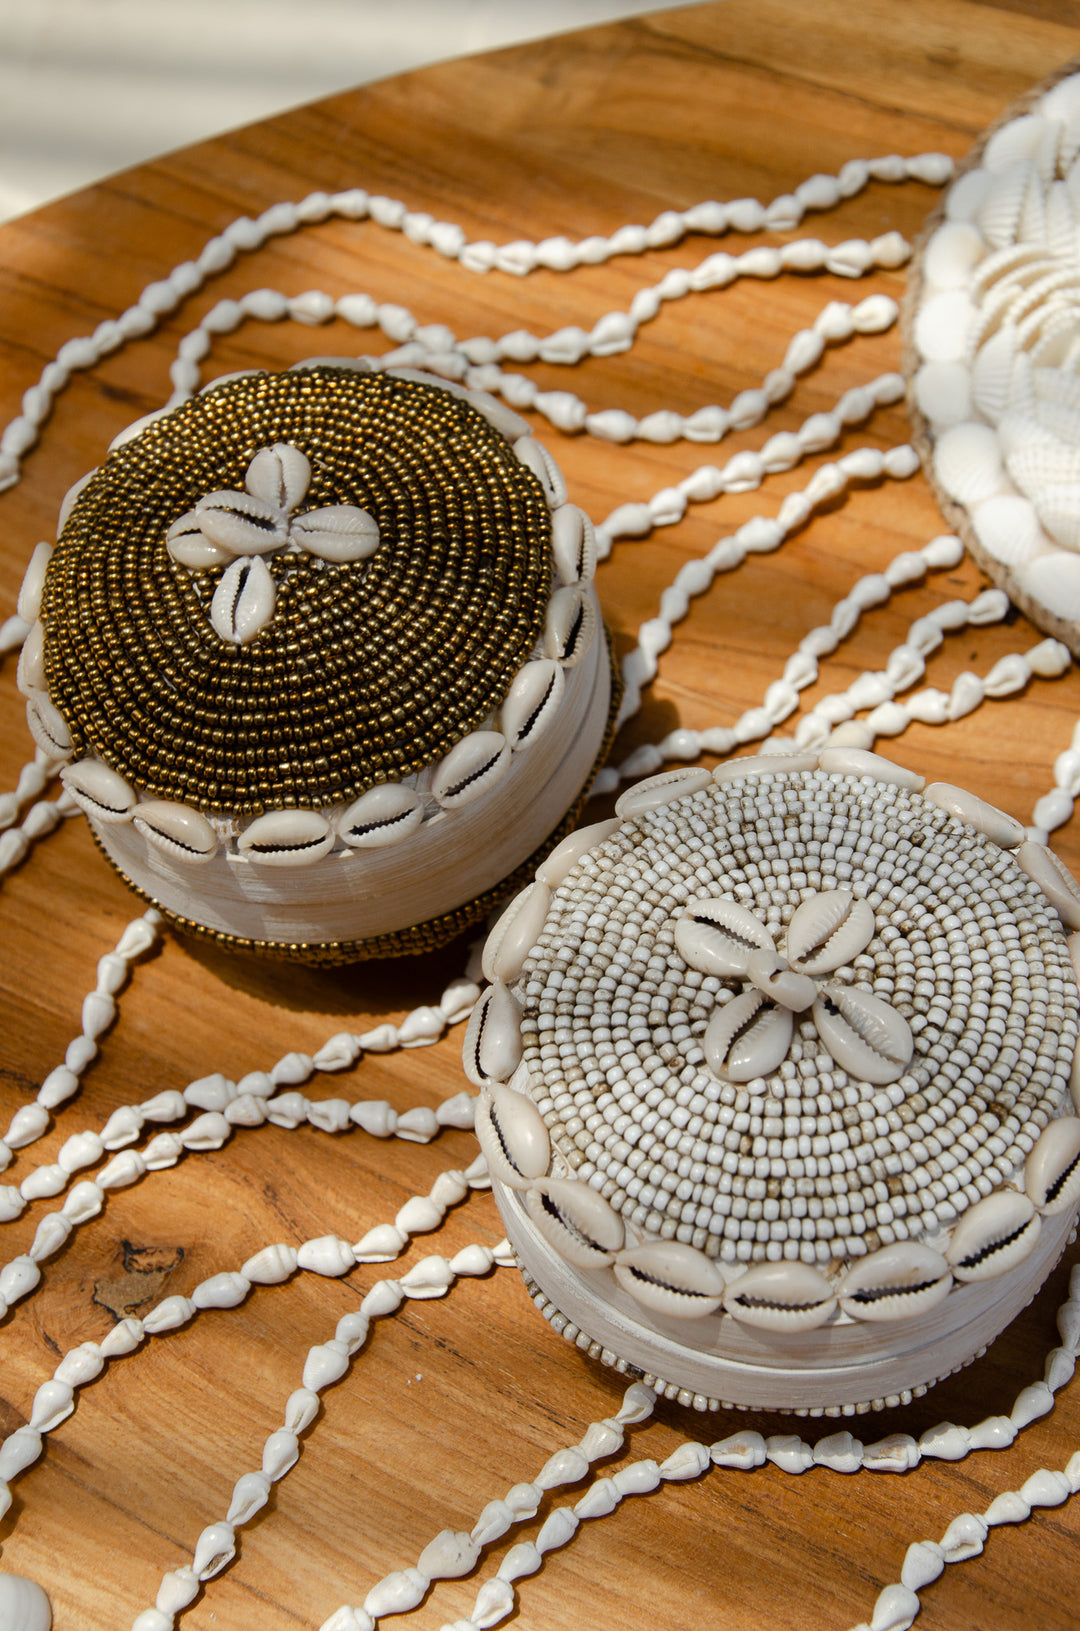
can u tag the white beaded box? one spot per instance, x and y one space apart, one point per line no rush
321 656
777 1077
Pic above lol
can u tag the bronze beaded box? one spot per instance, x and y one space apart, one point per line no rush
322 657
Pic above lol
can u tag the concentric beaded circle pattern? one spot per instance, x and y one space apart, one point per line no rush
807 1162
407 649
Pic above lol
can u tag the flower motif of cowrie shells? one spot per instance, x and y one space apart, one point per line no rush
751 1034
341 532
828 930
235 529
279 475
748 1037
239 524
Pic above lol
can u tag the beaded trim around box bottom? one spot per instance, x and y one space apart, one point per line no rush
778 1080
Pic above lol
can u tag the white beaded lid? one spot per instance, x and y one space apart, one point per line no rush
777 1072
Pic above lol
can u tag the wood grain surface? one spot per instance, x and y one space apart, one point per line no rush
456 1399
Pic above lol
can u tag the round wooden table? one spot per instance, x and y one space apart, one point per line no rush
457 1398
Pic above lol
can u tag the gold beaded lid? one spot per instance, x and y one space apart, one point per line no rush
369 669
322 655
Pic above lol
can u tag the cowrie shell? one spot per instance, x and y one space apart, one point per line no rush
993 1236
48 726
177 829
1052 1170
136 428
748 1037
828 930
383 815
241 523
492 1049
532 703
512 1136
421 376
718 936
535 457
499 416
30 672
1054 879
189 546
667 1277
243 601
897 1282
576 1220
570 624
279 475
860 762
781 1297
69 500
986 818
340 533
764 764
656 791
471 768
516 932
573 544
565 856
101 792
287 838
28 605
782 985
866 1036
